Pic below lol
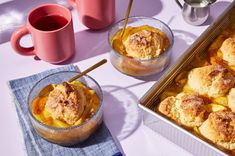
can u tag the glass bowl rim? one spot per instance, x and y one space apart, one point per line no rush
71 127
141 17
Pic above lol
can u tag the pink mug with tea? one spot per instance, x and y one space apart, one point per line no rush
51 28
95 14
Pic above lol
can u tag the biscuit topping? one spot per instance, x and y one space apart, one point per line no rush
66 102
192 104
224 124
228 51
213 80
144 44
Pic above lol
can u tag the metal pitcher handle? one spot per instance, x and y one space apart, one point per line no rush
179 4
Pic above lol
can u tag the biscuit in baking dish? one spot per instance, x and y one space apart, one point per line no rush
231 99
187 109
228 51
220 129
212 80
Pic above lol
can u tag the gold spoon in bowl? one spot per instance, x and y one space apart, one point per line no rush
126 18
50 87
117 43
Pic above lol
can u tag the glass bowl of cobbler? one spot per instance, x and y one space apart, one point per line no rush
143 49
65 113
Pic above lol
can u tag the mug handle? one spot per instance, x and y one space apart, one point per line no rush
73 3
15 42
179 4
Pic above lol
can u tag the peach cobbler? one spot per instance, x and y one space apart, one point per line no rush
68 104
143 42
202 97
140 50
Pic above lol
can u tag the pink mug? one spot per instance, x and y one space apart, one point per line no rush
51 28
95 14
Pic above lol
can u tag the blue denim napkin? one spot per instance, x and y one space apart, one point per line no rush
100 143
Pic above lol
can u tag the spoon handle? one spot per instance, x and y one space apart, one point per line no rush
88 70
127 16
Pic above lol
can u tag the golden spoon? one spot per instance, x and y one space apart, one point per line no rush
50 87
88 70
117 43
126 18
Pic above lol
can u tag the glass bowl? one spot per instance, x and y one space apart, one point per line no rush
136 67
71 135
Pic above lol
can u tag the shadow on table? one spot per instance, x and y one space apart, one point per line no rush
89 44
139 8
215 10
13 14
182 40
121 113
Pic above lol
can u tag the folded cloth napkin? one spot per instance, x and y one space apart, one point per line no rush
100 143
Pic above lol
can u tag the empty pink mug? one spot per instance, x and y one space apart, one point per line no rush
51 28
95 14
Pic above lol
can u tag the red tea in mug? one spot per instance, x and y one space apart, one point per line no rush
50 23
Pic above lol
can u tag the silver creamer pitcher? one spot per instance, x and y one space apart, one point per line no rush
195 12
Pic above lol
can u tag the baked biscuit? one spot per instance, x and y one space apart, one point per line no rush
144 44
220 129
231 99
66 102
228 51
213 80
167 107
187 109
